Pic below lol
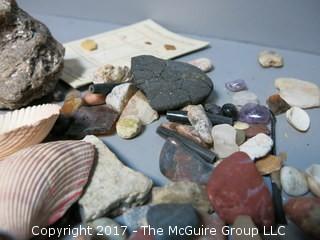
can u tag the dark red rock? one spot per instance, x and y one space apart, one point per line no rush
255 129
141 235
212 222
179 163
305 213
237 188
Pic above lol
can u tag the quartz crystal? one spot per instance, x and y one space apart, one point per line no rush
254 113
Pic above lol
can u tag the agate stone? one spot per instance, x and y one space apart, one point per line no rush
254 113
236 85
178 163
169 84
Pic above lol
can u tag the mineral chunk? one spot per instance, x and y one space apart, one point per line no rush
258 146
269 59
277 105
119 96
204 64
236 188
269 164
254 113
170 84
112 74
236 85
31 59
298 118
92 99
293 181
129 127
111 187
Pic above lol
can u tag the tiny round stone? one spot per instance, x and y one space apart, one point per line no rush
129 127
230 110
93 99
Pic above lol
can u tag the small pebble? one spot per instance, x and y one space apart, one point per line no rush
313 177
293 181
255 129
128 127
72 103
242 98
89 45
224 137
92 99
240 137
253 113
258 146
269 59
269 164
230 110
298 118
236 85
212 108
277 105
241 125
204 64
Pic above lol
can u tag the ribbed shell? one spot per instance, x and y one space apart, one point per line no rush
38 184
26 127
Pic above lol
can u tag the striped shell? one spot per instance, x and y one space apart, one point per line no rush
38 184
26 127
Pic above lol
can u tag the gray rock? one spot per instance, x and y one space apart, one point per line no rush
169 84
31 59
107 229
136 217
113 187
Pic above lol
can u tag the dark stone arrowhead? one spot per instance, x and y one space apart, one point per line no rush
169 84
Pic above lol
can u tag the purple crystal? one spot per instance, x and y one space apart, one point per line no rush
254 113
236 85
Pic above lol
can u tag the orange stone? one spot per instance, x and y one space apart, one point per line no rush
92 99
269 164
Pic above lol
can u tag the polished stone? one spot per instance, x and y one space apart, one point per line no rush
236 85
230 110
257 146
277 105
254 113
298 118
293 181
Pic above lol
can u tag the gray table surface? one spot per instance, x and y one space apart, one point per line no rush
232 60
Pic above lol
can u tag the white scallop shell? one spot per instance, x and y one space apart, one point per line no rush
38 184
26 127
313 177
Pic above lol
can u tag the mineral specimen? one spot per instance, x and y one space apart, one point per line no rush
230 110
128 127
257 146
111 74
237 188
298 118
31 59
236 85
169 84
119 96
293 181
269 59
277 105
204 64
92 99
254 113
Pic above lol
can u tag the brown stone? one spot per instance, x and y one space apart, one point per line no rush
269 164
170 47
92 99
277 105
72 103
255 129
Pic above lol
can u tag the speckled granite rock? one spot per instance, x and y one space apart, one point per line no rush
170 84
111 187
31 59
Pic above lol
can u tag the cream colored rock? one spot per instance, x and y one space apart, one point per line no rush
269 59
298 93
313 177
241 125
139 106
257 146
298 118
224 140
129 127
204 64
293 181
119 96
112 74
199 120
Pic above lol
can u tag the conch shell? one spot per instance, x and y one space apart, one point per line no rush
313 177
38 184
26 127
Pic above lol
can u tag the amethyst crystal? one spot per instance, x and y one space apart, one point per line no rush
254 113
236 85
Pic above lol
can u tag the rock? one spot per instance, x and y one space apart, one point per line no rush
139 106
242 98
97 120
182 192
313 177
211 222
108 229
240 137
248 229
305 213
178 163
172 215
72 103
254 113
120 96
111 74
92 99
255 129
186 131
236 188
224 137
230 110
212 108
269 164
241 125
170 84
236 85
89 45
31 59
298 118
269 59
111 188
277 105
141 234
129 127
204 64
257 146
298 93
201 123
293 181
136 217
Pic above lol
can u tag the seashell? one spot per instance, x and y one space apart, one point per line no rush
38 184
26 127
313 177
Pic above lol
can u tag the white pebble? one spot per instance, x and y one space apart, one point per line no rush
293 181
298 118
257 146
